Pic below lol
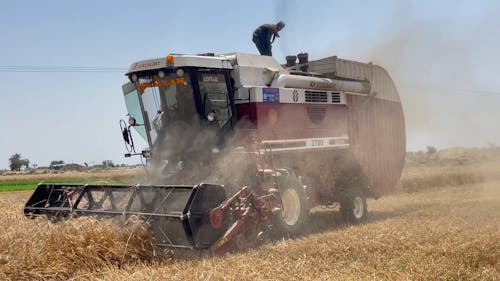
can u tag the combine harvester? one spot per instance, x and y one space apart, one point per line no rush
241 146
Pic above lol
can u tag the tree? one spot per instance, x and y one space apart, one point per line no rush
107 163
431 150
16 162
25 163
56 162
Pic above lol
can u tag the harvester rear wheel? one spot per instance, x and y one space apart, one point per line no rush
295 210
353 206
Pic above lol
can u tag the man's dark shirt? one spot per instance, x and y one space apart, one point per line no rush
262 38
265 32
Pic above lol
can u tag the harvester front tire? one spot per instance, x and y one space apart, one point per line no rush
292 218
353 208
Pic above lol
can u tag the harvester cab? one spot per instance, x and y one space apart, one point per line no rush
184 109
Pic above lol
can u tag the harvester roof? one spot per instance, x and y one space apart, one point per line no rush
227 61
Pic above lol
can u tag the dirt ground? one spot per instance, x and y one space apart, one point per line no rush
442 233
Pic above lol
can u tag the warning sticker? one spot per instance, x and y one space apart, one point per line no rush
271 95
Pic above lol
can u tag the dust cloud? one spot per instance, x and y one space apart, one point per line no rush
200 153
445 69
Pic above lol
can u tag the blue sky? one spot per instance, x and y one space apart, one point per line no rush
442 55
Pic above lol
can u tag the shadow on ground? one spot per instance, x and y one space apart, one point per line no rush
325 219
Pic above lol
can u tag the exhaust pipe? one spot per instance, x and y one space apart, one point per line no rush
291 61
303 61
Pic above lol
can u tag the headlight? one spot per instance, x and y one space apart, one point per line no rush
180 72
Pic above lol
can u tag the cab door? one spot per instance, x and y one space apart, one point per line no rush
216 97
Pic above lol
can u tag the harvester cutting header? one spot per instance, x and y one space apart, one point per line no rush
242 146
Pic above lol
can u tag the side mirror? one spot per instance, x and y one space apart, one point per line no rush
127 135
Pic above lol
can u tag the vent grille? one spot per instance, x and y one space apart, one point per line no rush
335 97
316 114
316 96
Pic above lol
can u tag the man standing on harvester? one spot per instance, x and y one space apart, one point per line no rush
264 36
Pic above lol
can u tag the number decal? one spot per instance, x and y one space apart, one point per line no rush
317 142
295 96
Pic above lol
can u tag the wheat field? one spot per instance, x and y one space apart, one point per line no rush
429 230
111 174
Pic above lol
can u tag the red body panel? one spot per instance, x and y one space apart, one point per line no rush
292 121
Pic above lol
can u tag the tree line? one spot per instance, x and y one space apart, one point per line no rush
16 163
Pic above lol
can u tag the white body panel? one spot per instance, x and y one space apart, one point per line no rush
341 142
